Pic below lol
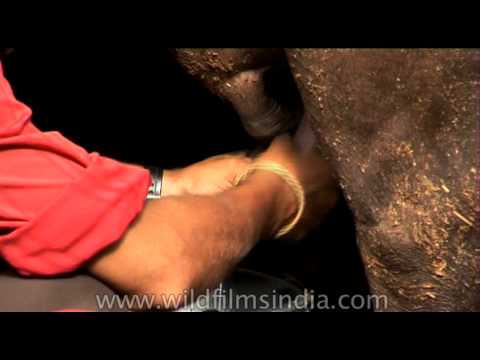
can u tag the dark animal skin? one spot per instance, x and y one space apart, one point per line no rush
399 128
238 75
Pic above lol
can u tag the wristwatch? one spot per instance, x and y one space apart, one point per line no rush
155 189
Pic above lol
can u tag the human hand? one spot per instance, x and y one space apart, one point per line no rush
315 176
207 177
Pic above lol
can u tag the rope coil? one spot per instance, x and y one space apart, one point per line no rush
292 182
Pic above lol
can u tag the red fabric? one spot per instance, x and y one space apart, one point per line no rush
59 204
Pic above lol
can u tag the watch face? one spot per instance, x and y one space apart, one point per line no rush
155 190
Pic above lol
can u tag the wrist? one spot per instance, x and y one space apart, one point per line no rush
282 200
173 183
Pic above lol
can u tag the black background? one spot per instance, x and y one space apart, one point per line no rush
138 105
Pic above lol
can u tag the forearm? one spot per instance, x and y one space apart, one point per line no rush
193 242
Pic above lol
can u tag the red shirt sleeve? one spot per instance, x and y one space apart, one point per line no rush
59 204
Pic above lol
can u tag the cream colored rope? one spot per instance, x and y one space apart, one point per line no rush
289 178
